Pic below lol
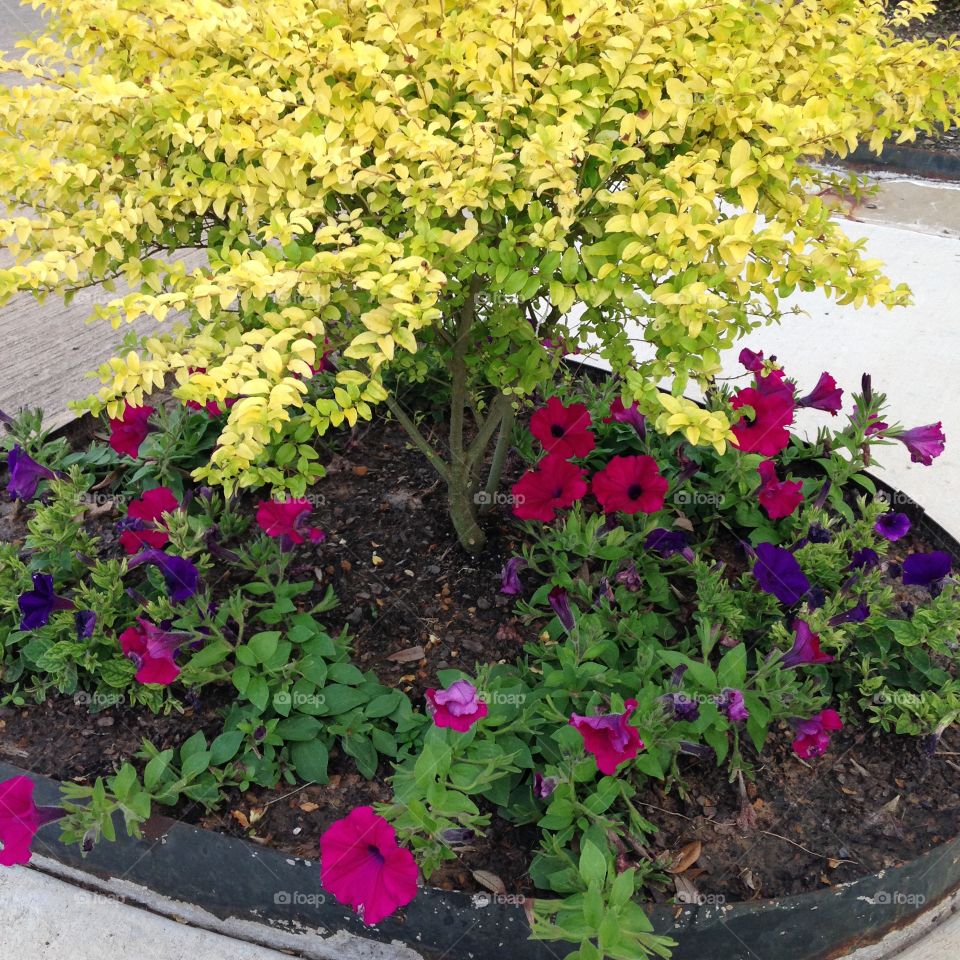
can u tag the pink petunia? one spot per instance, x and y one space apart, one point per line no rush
144 526
286 519
610 738
630 485
457 707
813 735
130 430
765 432
554 485
563 431
364 867
20 818
778 497
152 651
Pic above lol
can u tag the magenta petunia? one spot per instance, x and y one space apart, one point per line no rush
559 602
364 867
806 647
778 497
610 737
765 432
554 484
632 415
892 526
130 430
630 485
563 431
20 819
752 361
286 520
925 444
826 396
152 651
144 526
813 735
25 474
458 707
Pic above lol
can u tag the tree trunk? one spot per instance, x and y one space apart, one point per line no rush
463 510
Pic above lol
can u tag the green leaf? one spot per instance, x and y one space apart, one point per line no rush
299 727
309 759
593 864
225 746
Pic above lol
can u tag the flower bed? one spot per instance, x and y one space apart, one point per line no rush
637 696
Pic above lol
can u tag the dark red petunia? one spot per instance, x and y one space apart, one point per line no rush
554 485
563 431
130 430
630 485
145 526
766 431
778 497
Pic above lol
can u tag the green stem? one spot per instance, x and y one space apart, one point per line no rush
419 441
499 458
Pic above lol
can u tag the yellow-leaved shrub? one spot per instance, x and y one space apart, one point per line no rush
443 183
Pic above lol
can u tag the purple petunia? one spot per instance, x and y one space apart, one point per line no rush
543 786
509 577
924 569
85 620
865 559
923 443
680 706
730 702
892 526
180 575
856 614
37 604
806 647
826 396
630 577
25 474
668 542
778 572
560 604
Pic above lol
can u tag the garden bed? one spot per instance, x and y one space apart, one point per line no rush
415 604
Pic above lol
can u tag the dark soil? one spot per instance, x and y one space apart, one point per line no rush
408 592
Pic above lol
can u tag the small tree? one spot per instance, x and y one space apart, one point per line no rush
441 186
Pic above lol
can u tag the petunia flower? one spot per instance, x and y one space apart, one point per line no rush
864 559
766 431
630 577
560 604
510 576
924 443
778 497
826 396
924 569
680 706
730 703
457 707
668 542
632 415
37 604
563 431
130 430
630 485
152 651
85 621
892 526
778 572
554 485
806 647
856 614
610 738
543 786
180 575
752 361
364 867
813 735
20 819
144 526
774 382
819 534
25 474
286 520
